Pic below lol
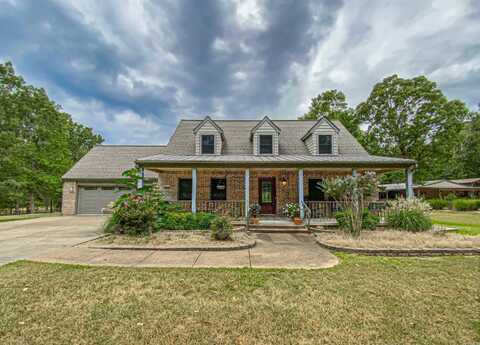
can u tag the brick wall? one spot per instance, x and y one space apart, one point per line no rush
168 183
69 198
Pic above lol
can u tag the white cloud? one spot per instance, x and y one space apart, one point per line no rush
117 126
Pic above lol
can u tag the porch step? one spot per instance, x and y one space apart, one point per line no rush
278 228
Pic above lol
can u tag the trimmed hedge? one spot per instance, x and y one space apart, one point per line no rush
184 221
369 221
465 204
438 204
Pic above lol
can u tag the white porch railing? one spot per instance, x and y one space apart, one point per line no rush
328 209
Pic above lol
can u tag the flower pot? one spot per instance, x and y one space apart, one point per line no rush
254 220
297 221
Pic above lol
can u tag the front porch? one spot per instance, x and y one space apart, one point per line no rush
231 191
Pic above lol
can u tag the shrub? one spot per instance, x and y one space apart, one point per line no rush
409 214
438 204
222 229
132 214
369 220
184 221
465 205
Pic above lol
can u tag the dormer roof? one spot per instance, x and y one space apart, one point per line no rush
267 120
205 120
320 120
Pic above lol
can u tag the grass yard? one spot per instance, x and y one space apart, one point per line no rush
364 300
27 216
467 222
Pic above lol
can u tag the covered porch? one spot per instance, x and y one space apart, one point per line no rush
232 190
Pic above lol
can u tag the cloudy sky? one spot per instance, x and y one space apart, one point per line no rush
131 69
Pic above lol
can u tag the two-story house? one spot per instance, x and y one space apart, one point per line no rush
227 165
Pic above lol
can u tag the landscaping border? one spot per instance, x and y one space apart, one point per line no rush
400 252
242 246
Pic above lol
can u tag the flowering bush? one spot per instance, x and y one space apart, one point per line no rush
291 210
352 192
409 214
133 214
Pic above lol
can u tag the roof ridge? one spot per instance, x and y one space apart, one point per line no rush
251 120
131 145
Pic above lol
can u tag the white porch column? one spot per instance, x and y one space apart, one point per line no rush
409 189
194 190
247 191
141 180
300 193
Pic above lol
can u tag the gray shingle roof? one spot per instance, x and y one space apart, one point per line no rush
434 184
109 161
237 137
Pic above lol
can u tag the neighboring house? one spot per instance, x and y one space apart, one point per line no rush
434 189
228 165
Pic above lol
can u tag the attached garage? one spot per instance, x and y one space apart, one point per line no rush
92 199
93 182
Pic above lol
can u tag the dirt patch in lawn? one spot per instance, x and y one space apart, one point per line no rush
390 239
170 240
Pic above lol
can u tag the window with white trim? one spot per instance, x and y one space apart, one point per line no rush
325 144
208 144
265 144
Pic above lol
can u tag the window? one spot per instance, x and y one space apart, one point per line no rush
324 144
185 189
266 144
315 191
208 144
218 189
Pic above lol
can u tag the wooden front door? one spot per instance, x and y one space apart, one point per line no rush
267 195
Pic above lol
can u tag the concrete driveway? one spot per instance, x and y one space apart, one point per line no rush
25 239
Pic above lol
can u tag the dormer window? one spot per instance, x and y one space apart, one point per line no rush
208 144
266 144
324 144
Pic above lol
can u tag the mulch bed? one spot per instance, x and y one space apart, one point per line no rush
181 240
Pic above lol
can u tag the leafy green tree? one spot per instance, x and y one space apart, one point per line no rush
38 143
468 150
333 104
412 118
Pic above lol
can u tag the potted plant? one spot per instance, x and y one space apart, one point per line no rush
292 211
255 210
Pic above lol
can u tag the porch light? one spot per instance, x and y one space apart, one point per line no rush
283 181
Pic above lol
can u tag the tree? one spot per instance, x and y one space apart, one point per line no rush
468 150
412 118
38 143
352 192
333 104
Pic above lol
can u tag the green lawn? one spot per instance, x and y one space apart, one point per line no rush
467 222
364 300
27 216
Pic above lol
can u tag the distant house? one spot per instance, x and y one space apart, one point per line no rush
434 189
227 165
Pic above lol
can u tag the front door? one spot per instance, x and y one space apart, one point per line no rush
267 194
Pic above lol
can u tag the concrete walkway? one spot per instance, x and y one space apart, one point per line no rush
271 251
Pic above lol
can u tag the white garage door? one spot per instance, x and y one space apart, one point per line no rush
91 199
